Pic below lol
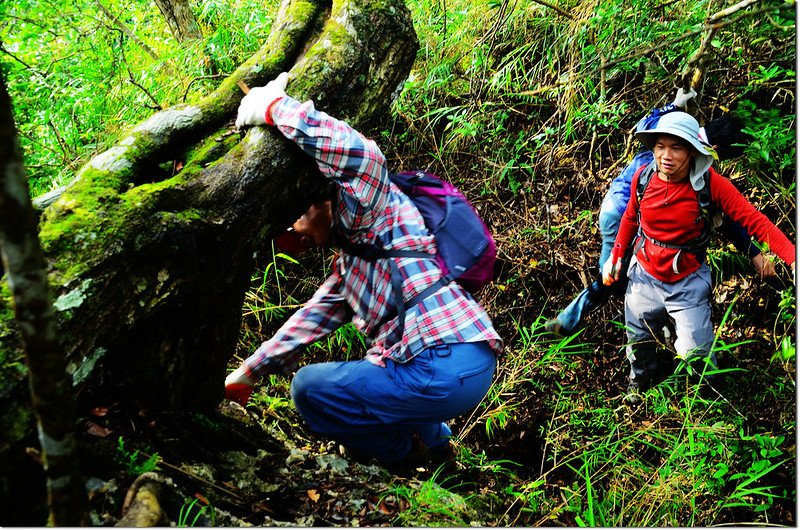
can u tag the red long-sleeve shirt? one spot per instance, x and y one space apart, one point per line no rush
670 213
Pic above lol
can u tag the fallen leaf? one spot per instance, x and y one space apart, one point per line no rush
260 506
97 430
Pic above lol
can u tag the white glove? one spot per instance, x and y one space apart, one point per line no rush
239 376
239 386
611 270
681 98
258 102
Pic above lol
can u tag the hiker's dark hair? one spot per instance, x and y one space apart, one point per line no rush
726 133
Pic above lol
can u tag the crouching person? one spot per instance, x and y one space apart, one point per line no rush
668 276
426 364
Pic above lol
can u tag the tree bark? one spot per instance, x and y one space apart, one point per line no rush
148 268
180 19
50 389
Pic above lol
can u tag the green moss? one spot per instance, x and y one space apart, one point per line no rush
94 218
6 303
12 357
80 217
208 152
302 10
272 58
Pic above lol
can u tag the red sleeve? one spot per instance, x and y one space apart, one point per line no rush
629 223
733 203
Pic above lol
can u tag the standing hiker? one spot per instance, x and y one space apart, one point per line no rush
726 136
668 276
430 359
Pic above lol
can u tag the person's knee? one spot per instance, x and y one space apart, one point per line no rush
304 380
694 342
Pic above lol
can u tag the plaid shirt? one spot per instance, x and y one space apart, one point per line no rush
370 209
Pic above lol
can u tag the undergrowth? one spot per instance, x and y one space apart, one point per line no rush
527 106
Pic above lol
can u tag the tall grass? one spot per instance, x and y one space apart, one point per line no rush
525 120
509 100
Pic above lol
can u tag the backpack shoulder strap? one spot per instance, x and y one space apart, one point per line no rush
704 194
644 179
710 212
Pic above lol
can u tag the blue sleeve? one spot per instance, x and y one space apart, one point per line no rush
736 234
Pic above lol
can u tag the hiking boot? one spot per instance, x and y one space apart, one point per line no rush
554 326
421 458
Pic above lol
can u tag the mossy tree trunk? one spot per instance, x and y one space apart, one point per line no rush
150 248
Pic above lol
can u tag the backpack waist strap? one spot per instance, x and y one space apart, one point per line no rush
696 245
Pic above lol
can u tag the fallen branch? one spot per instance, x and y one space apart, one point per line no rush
142 506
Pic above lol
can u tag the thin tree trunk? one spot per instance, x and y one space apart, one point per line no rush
180 19
53 402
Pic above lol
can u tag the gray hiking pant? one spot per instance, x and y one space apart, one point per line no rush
648 305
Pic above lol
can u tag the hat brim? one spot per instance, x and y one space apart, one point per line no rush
703 160
649 137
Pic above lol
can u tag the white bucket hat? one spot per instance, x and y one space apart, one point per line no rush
685 127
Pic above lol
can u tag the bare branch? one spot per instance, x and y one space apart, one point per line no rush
730 10
555 8
648 51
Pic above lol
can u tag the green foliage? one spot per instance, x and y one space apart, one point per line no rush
76 80
278 290
772 151
511 101
134 462
685 459
430 504
191 512
522 372
273 398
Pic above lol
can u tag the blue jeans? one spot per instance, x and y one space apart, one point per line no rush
374 411
597 294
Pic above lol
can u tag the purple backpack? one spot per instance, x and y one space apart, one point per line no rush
466 251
